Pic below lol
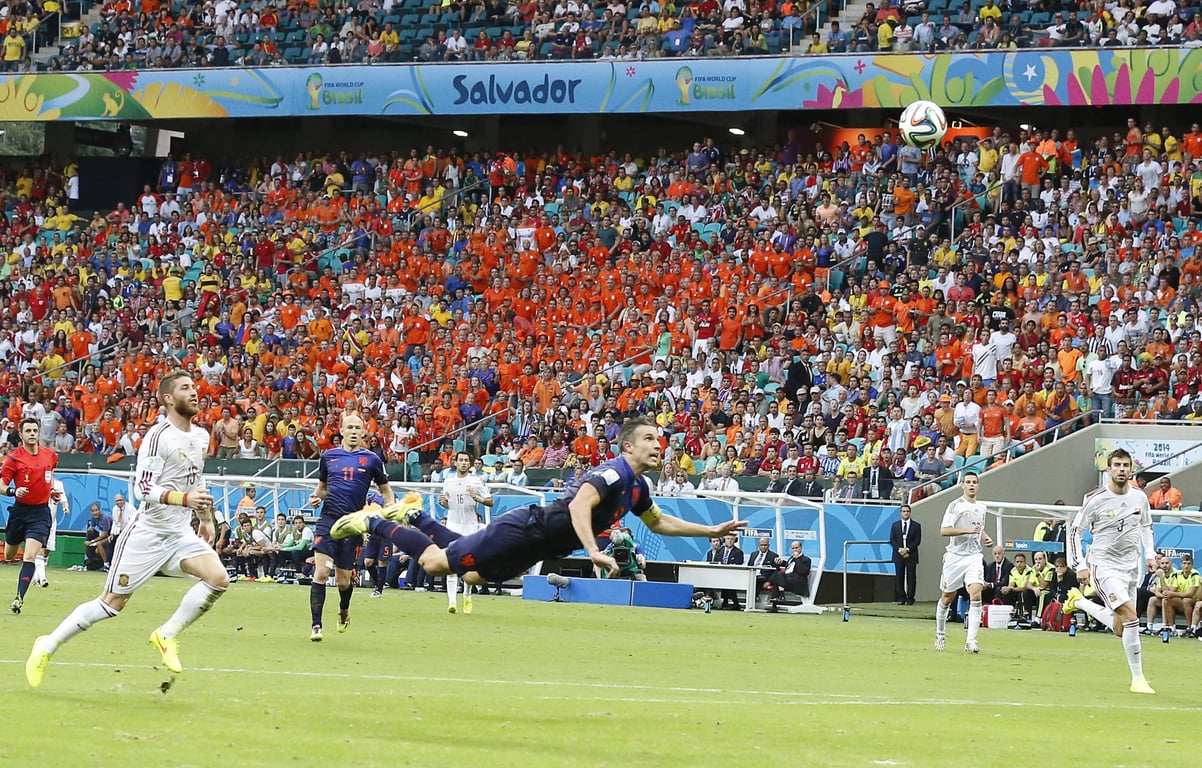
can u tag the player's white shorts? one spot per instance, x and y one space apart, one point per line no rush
961 570
464 529
1115 585
143 552
50 540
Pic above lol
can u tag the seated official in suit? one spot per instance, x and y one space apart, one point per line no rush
793 576
997 575
766 560
730 554
877 482
808 486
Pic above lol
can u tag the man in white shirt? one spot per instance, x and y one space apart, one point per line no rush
1149 171
967 418
514 475
984 359
1101 375
723 482
1003 340
456 46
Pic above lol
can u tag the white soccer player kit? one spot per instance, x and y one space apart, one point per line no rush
1121 524
60 507
461 507
160 536
963 562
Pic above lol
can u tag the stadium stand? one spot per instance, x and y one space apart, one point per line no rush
155 34
518 305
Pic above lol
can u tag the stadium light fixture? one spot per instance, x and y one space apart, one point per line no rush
1025 126
737 131
460 133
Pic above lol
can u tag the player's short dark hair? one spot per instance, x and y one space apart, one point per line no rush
1117 453
969 473
462 453
167 383
28 420
626 431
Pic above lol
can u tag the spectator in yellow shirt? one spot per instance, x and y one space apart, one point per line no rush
14 52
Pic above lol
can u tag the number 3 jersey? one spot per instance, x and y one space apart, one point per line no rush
1121 524
169 459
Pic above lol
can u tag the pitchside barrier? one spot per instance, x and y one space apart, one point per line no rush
780 517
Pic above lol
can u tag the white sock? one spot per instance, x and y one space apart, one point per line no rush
1101 613
941 613
39 567
452 588
974 620
197 600
1133 649
79 620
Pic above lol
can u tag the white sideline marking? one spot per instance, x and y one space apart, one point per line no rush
786 697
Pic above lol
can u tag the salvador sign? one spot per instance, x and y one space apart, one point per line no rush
1087 77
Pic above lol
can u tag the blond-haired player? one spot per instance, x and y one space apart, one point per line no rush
169 483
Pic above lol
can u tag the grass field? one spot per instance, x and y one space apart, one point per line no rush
541 684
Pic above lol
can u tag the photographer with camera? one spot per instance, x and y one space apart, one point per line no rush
627 554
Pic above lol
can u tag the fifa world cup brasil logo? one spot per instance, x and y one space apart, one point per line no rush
313 87
684 81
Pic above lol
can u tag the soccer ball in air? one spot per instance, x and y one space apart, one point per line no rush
923 124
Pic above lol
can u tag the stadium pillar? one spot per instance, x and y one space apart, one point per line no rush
588 128
60 139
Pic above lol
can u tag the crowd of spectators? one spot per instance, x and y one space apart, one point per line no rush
159 35
798 312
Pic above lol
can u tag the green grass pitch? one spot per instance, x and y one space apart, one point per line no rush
543 684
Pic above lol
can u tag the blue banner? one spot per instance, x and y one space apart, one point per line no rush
1035 77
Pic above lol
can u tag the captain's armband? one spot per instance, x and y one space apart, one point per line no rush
651 514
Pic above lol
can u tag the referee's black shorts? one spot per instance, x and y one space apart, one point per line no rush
27 521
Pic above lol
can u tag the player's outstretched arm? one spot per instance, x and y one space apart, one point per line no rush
667 525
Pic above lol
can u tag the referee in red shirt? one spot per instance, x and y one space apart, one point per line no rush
28 477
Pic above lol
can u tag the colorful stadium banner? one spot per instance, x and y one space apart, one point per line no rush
1036 77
